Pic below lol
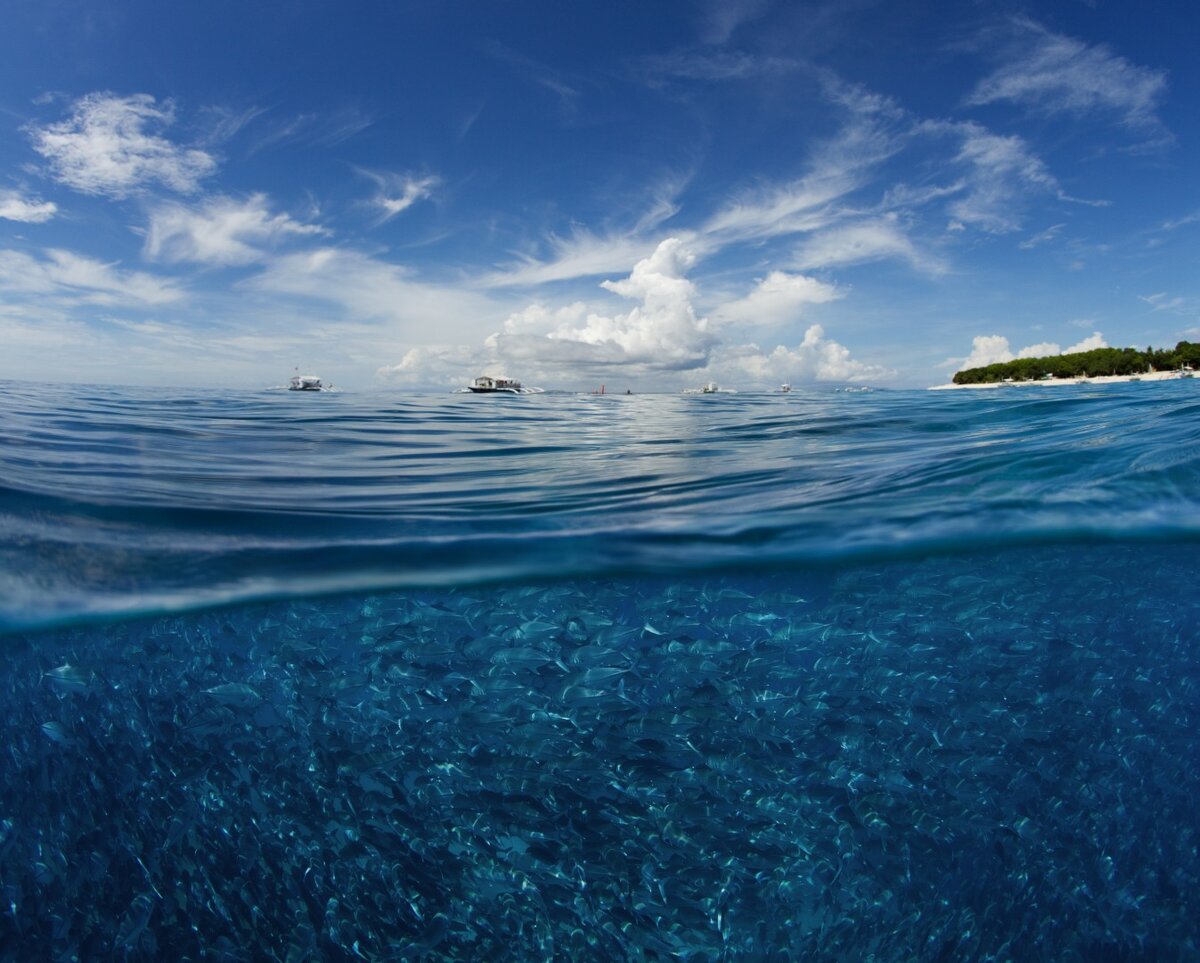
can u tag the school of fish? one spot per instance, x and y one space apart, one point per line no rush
968 757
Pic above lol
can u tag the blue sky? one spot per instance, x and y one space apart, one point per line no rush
653 195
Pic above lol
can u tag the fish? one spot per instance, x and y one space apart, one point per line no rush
56 732
785 756
237 695
71 678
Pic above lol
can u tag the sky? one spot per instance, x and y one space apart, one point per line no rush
405 195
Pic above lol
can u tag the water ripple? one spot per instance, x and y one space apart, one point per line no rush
121 500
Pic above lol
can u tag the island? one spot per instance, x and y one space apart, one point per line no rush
1099 364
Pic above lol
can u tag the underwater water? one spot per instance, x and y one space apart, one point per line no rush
821 676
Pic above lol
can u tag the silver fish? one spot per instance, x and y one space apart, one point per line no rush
71 678
236 694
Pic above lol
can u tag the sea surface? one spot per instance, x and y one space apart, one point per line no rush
832 675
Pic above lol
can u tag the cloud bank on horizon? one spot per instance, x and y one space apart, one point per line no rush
719 194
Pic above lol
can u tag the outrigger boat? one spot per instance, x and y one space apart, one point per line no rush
487 385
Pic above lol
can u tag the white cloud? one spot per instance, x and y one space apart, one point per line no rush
1090 343
874 130
994 349
1053 74
1179 222
662 331
1162 302
14 207
222 231
718 66
863 241
778 298
660 335
988 349
109 146
447 365
785 209
1042 237
722 17
816 358
1002 172
76 279
581 255
368 290
1041 350
398 192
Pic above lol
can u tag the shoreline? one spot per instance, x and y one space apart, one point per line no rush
1097 380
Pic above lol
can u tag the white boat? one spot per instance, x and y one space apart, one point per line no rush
488 385
785 388
301 382
709 389
1187 371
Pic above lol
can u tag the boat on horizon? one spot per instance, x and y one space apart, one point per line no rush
301 382
710 389
488 385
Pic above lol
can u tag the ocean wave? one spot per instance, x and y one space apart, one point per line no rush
118 500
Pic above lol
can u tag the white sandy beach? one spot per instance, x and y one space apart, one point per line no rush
1097 380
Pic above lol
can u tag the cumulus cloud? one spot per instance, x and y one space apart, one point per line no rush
661 331
1042 349
14 207
441 364
1090 343
777 298
988 349
71 277
816 358
110 146
994 349
1055 74
222 231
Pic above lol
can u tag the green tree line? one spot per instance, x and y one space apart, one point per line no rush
1097 362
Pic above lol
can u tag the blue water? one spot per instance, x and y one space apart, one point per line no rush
830 675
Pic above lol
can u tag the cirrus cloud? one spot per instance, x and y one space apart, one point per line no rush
110 146
223 231
73 278
15 207
1053 74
